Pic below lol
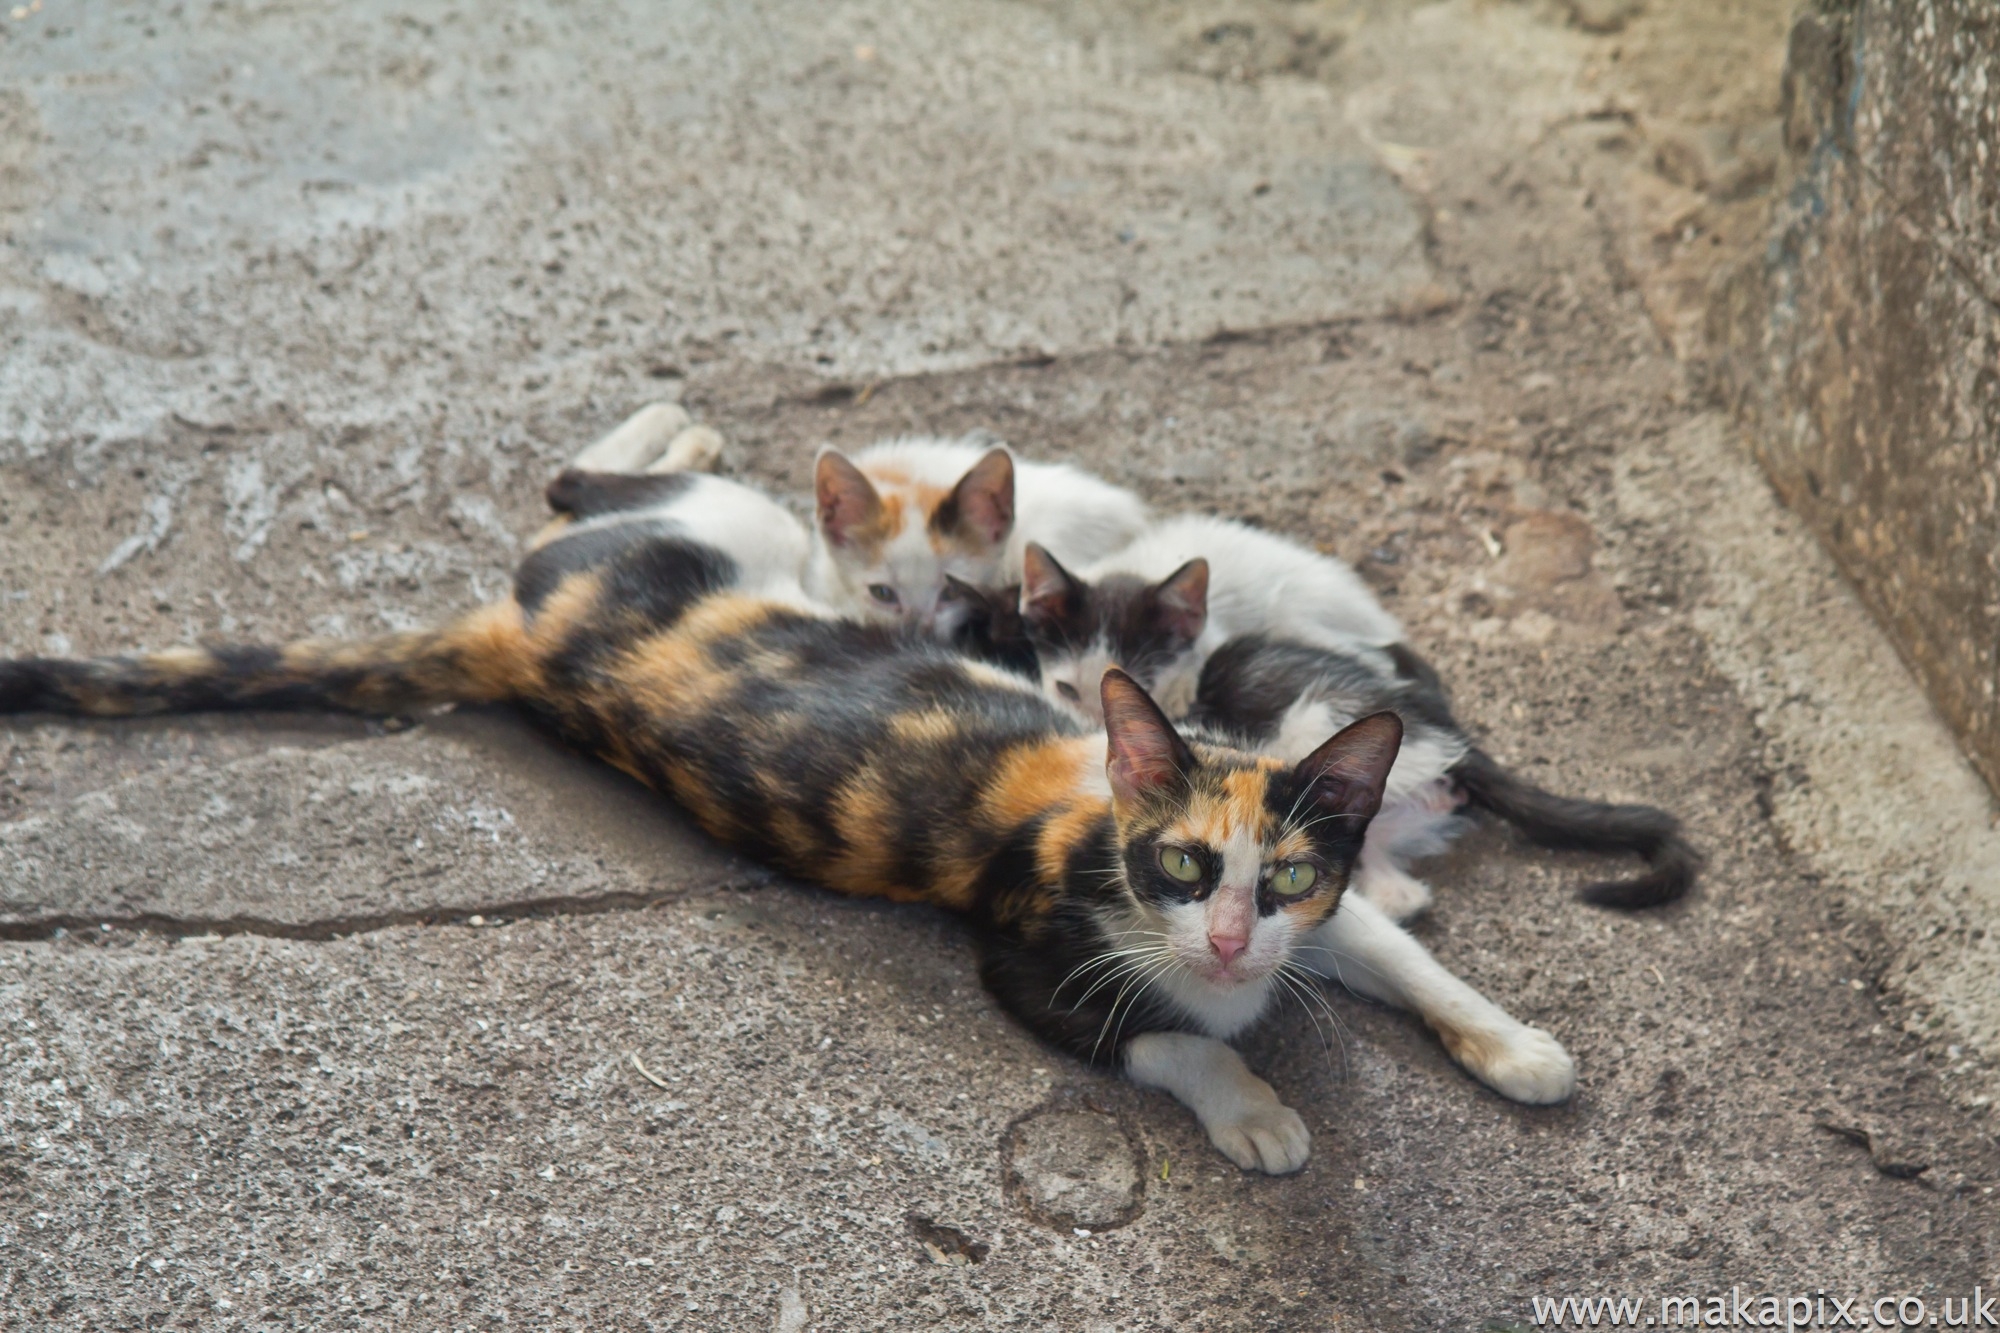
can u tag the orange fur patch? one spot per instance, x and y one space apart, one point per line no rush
695 791
1031 779
671 672
574 601
492 649
933 726
551 530
865 865
893 516
792 833
1213 818
1474 1050
667 674
724 616
1291 845
956 873
1062 832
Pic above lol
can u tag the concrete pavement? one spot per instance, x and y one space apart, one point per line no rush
302 307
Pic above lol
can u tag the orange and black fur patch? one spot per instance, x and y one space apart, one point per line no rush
865 758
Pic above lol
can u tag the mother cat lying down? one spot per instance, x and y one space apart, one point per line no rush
1140 897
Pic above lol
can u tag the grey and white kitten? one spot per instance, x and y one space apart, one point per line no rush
1208 580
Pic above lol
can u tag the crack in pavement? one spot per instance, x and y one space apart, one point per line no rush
331 928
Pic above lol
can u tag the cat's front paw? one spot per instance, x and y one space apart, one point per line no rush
1267 1137
1520 1063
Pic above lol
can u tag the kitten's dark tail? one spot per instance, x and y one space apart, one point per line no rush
1563 824
477 660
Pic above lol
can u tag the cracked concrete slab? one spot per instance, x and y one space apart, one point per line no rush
386 267
475 814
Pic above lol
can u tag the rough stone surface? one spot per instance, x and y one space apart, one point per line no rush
1861 345
353 835
301 359
1075 1169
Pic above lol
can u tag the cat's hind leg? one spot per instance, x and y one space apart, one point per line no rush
1243 1116
1360 947
1381 881
637 441
696 449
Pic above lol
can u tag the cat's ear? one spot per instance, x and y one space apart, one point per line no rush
1347 774
850 509
980 509
957 589
1145 755
1050 594
1180 601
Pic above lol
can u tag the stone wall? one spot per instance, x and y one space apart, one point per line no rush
1861 345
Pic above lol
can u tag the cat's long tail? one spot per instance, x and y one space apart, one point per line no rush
477 660
1563 824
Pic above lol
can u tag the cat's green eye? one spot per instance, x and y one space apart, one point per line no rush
1179 865
883 593
1293 878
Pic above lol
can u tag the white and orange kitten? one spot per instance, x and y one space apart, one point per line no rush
899 516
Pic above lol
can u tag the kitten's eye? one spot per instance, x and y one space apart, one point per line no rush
1068 691
1293 878
883 593
1179 865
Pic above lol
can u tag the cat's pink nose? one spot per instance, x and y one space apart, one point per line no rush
1227 947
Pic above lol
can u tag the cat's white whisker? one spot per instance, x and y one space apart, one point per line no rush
1306 986
1135 989
1101 960
1125 969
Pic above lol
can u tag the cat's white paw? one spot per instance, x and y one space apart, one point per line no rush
1262 1136
1520 1063
1400 896
696 449
1242 1115
638 440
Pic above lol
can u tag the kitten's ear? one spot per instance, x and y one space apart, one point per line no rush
957 589
980 509
850 510
1180 600
1145 755
1050 594
1347 774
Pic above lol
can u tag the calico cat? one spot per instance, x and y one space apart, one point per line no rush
1140 897
1273 687
900 515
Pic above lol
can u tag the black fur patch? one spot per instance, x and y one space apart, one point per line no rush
1125 612
584 495
1562 823
23 683
1250 683
651 569
985 623
1054 971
